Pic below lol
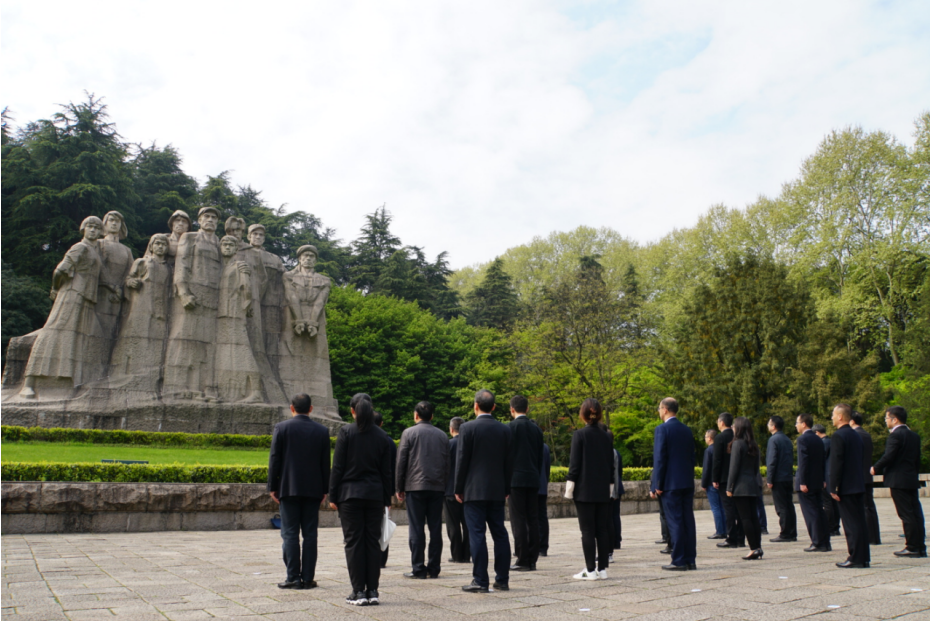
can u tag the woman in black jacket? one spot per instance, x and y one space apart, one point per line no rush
589 482
744 484
360 488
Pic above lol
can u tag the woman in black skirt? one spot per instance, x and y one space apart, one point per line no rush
360 488
744 484
589 482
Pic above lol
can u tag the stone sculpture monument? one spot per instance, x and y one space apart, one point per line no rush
201 334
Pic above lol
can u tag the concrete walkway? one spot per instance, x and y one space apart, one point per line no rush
205 575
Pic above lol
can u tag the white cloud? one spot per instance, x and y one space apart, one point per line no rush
482 124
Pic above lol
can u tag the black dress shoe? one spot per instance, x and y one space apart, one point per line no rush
851 565
811 548
754 555
543 553
523 568
691 566
662 541
308 585
910 554
716 536
824 549
500 587
410 574
474 587
781 539
676 567
726 544
835 533
289 584
665 551
765 531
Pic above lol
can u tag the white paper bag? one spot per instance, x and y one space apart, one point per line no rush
387 529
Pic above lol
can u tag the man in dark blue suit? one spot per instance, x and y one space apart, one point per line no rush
673 484
809 483
846 485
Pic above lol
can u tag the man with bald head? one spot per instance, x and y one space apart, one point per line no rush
847 487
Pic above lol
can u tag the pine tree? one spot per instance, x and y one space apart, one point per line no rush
493 303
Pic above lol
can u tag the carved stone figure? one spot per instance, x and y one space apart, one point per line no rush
237 374
272 293
117 259
192 337
138 354
71 345
305 365
179 223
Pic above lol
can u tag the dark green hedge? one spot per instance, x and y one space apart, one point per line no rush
130 473
142 438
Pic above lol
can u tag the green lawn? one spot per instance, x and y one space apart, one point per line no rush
75 452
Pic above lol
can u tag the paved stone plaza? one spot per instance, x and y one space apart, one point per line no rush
232 574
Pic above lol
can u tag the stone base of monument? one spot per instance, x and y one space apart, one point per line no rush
186 417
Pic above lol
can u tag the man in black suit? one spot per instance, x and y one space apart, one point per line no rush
298 476
456 528
810 483
779 457
871 513
900 467
830 507
379 421
524 486
736 538
483 471
544 500
847 486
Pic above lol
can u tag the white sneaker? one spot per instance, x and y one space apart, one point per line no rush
602 574
586 575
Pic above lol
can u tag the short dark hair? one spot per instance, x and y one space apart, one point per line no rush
485 400
591 411
353 402
777 422
378 419
898 412
807 419
424 410
301 403
670 404
726 418
845 410
519 403
456 423
818 428
711 432
857 418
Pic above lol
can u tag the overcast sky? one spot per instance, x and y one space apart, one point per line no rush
481 124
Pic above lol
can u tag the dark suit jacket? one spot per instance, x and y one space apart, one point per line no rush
707 467
591 464
811 458
826 457
618 475
361 466
744 479
846 463
392 449
867 448
544 471
527 452
779 457
484 465
673 457
722 458
298 464
453 453
901 460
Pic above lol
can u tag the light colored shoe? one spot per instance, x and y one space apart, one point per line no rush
602 574
586 575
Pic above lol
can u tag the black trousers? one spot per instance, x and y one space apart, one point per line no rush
871 517
543 523
783 500
735 533
524 523
815 518
384 556
361 529
907 504
424 508
615 532
852 512
663 524
746 507
832 511
594 521
299 515
482 515
456 530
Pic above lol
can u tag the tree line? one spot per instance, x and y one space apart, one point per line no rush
818 295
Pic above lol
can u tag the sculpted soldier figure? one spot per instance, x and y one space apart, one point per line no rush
307 359
272 293
237 375
70 344
138 350
191 343
117 259
179 223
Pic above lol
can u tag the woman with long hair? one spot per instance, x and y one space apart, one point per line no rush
589 481
360 489
744 484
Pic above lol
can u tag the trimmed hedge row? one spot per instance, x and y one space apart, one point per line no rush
142 438
130 473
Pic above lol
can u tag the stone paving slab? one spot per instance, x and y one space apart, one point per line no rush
181 576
